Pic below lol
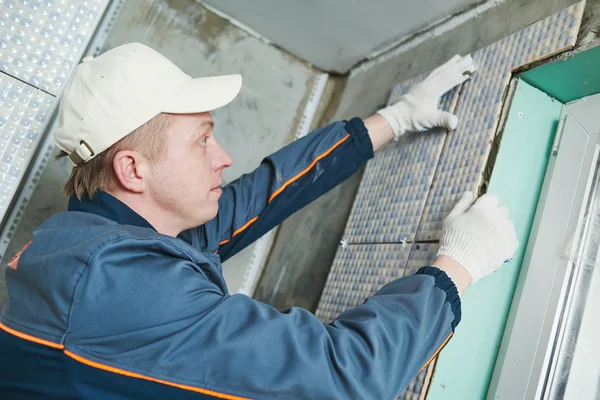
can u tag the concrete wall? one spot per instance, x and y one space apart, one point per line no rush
334 35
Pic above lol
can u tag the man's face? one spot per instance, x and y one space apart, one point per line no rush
186 182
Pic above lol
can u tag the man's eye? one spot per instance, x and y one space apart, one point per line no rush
204 140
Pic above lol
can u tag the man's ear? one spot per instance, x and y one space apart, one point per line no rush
131 170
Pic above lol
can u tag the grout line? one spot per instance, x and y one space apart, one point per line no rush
437 166
392 243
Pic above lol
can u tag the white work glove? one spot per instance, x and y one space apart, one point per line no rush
479 236
418 109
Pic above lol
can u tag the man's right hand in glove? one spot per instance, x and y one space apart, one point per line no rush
477 238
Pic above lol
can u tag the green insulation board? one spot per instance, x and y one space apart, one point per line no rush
570 79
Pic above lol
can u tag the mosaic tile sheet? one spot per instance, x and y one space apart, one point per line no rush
394 187
421 255
24 111
414 390
42 40
466 150
358 271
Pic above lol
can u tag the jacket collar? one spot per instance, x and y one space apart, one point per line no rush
108 206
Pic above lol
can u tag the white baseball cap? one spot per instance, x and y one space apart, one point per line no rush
110 96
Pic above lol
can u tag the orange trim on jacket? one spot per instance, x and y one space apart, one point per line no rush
31 338
149 378
15 260
286 184
437 351
115 370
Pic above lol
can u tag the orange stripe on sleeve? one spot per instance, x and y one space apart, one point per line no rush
247 224
316 160
31 338
148 378
437 351
287 183
239 230
15 261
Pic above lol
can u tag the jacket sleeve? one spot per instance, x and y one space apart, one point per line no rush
285 182
169 323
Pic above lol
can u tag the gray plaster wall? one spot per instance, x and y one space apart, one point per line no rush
261 119
311 237
334 35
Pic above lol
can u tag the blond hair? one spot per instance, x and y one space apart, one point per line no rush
98 173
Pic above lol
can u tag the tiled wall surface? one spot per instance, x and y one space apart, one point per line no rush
411 185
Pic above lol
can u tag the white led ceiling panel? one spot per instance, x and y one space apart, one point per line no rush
42 40
24 111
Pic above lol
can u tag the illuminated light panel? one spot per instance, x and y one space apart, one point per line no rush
24 111
42 40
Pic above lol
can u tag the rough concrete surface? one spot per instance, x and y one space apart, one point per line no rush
589 34
337 34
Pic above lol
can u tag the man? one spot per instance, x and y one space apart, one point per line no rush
123 296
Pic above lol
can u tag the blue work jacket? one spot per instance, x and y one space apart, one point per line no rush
102 306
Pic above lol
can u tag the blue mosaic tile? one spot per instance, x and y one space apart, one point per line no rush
421 254
466 149
358 271
394 187
400 196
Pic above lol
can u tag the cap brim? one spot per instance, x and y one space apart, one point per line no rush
205 94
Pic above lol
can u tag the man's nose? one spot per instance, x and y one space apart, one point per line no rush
223 159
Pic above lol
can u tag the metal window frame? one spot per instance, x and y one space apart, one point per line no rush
531 337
